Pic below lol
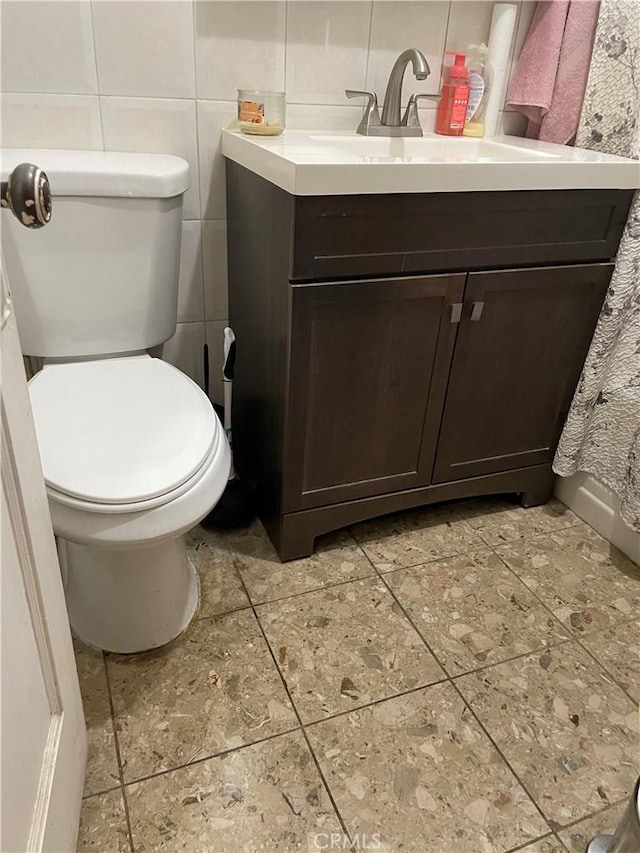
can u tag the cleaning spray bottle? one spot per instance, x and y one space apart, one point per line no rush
454 99
480 79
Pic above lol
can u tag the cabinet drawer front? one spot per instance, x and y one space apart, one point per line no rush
369 362
518 356
339 236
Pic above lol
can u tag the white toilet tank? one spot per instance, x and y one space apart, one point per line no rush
102 277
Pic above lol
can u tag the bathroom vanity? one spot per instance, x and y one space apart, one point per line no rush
400 348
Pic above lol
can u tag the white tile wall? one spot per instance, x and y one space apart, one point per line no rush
50 121
469 23
239 45
191 282
214 252
144 48
161 75
327 46
48 47
212 117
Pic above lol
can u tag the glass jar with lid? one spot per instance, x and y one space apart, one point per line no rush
261 112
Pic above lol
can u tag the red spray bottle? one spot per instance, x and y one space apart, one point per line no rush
452 108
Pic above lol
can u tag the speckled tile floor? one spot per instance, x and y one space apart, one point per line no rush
461 679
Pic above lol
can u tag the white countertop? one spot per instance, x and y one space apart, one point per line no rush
342 163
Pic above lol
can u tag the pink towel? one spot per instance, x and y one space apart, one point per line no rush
551 75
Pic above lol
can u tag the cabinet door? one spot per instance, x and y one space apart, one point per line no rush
520 349
368 371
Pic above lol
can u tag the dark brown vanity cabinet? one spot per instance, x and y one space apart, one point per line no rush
384 364
369 367
519 352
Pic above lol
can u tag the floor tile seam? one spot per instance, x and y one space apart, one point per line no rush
476 532
475 716
426 642
542 648
403 693
548 835
566 826
299 719
611 675
221 613
423 636
101 792
575 637
128 783
502 755
409 619
533 593
430 562
361 541
524 536
116 743
307 591
559 530
482 549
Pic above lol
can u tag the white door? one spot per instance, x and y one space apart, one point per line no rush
42 725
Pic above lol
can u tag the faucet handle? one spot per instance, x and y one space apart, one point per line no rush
410 117
371 116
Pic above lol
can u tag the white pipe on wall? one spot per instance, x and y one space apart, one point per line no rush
503 25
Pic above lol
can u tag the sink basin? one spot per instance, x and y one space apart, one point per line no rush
318 163
433 149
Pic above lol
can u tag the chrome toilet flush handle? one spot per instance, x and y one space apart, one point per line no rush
27 194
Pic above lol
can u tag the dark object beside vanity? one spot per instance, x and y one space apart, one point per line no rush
400 350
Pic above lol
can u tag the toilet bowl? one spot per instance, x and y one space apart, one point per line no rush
132 452
133 456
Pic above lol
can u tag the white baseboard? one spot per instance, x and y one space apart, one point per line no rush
599 507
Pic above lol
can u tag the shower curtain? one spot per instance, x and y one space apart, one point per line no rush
602 433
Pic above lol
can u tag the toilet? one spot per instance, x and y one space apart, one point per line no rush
133 455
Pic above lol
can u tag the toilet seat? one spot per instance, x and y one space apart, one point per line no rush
138 506
121 434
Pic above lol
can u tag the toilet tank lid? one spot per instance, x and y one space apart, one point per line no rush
104 173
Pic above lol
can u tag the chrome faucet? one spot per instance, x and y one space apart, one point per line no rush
391 124
393 95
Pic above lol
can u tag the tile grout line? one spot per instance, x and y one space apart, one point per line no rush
285 52
482 544
308 591
545 837
574 637
101 793
600 664
466 704
620 802
95 62
368 60
116 743
212 757
300 723
197 135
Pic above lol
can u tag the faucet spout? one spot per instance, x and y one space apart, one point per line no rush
393 96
